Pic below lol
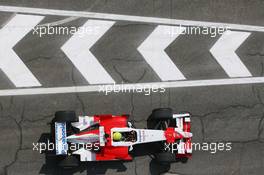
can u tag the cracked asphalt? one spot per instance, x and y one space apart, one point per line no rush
220 114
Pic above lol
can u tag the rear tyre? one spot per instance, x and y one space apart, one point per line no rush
161 114
165 157
69 162
65 116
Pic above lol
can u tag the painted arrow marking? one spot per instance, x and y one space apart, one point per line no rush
224 52
77 48
10 63
152 49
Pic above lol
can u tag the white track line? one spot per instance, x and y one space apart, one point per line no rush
153 51
96 88
69 19
117 17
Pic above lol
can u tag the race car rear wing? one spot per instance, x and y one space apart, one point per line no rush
61 139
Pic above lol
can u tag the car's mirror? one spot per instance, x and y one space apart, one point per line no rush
129 124
130 148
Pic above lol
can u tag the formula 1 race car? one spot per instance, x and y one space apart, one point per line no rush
112 137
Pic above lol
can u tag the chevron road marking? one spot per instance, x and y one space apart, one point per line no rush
96 88
224 52
152 49
77 49
114 17
10 63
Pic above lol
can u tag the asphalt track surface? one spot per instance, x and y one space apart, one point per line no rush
232 113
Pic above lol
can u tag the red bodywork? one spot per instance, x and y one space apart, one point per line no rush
109 152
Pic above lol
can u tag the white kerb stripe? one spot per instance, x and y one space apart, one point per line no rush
10 63
77 48
153 51
224 52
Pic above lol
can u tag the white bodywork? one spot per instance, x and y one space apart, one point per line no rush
143 136
84 122
85 138
85 155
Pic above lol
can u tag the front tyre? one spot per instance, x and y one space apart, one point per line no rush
158 117
161 114
165 157
184 159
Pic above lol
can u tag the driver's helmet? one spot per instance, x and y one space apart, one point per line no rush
117 136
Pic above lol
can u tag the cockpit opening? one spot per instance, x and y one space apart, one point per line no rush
130 136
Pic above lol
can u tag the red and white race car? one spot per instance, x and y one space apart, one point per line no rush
112 137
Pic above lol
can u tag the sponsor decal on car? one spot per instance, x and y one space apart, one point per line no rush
60 139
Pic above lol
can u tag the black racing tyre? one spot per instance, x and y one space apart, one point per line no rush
162 114
184 159
165 157
65 116
69 162
152 124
